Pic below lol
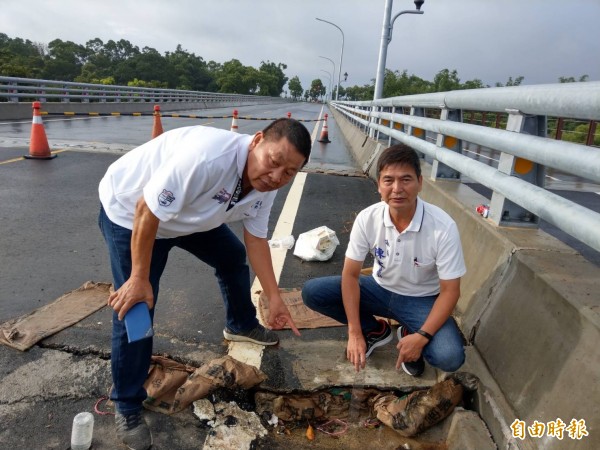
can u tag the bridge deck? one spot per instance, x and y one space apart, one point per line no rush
51 245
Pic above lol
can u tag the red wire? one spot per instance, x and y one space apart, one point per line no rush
102 413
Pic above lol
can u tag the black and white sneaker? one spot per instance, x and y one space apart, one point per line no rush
378 338
259 335
413 368
133 431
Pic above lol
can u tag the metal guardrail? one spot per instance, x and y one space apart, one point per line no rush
519 197
13 89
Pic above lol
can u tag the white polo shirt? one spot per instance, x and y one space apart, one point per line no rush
188 177
412 262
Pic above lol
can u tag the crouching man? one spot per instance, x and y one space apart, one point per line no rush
416 274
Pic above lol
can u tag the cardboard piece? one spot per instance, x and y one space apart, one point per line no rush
25 331
303 316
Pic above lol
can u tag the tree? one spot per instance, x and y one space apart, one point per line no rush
235 78
582 78
20 58
271 78
473 84
396 83
188 71
64 60
150 65
445 81
295 87
316 89
516 82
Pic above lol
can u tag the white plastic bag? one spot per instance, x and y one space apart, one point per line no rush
316 245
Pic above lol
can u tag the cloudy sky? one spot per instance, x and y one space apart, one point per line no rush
486 39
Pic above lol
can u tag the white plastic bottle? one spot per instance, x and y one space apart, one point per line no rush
286 242
83 430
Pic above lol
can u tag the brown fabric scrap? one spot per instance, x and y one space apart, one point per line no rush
25 331
172 386
420 410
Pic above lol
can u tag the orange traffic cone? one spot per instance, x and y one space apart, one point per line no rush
38 143
324 132
234 125
157 128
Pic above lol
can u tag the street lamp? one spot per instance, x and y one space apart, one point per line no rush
330 78
386 38
341 54
331 81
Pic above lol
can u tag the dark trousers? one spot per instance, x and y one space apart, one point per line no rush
220 248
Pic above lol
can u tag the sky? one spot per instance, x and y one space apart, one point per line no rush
490 40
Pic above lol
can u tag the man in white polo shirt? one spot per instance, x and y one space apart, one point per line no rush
418 263
180 190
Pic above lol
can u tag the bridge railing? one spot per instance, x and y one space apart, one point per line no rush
14 90
518 183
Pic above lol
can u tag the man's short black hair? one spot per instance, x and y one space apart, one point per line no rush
399 154
294 131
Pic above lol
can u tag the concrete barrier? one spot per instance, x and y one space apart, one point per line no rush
529 309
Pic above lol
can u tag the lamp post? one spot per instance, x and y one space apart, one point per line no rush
341 54
386 38
333 78
329 75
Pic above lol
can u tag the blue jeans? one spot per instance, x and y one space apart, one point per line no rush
445 351
221 249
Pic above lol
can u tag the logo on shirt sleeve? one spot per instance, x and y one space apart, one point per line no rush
165 198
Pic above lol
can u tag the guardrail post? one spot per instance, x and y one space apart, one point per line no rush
368 117
378 120
13 91
393 111
65 99
591 133
441 170
418 132
504 212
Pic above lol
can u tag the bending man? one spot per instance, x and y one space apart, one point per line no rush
179 190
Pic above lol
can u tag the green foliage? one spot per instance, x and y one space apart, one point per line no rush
575 131
64 60
271 78
317 89
582 78
123 63
295 87
147 84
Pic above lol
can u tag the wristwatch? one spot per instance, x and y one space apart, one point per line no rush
425 334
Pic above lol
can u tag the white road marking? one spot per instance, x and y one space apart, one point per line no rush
252 353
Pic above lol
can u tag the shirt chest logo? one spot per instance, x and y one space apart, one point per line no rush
222 196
